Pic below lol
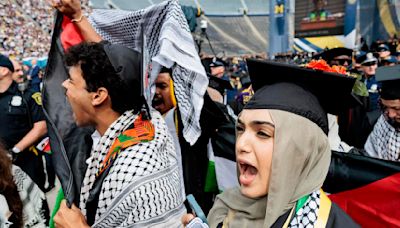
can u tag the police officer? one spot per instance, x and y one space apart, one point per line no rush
369 64
22 122
356 124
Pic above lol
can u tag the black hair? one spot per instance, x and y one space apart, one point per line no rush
166 70
97 71
9 189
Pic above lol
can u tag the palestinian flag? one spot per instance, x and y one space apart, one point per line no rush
366 188
69 143
374 205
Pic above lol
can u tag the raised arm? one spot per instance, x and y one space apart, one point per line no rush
73 10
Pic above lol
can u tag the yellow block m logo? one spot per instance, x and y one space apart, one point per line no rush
279 9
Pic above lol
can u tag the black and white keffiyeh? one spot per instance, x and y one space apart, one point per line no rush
307 215
384 141
33 199
168 43
143 186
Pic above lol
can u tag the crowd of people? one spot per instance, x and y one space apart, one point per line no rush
20 35
26 27
39 11
250 165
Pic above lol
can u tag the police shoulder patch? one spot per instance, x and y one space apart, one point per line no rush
37 97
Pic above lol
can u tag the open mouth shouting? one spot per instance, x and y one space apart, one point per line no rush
157 100
247 171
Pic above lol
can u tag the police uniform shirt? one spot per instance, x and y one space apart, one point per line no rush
373 87
14 114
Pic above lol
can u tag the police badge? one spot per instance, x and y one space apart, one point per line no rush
16 101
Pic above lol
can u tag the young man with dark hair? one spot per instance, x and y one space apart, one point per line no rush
132 176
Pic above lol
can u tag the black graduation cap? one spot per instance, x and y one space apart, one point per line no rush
219 83
334 52
389 76
306 92
127 64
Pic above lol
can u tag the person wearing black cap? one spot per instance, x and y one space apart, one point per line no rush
383 51
23 123
219 80
132 177
389 61
369 64
356 123
219 85
282 151
189 76
384 140
217 69
337 56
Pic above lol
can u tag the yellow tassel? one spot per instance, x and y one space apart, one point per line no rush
171 91
34 150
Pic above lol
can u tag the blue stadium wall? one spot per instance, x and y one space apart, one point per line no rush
385 23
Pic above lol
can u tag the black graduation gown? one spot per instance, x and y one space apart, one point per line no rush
337 218
195 158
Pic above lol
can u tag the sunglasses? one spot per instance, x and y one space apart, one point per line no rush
343 61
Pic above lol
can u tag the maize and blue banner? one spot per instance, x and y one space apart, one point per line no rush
379 19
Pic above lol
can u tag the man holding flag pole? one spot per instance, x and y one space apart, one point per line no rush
132 156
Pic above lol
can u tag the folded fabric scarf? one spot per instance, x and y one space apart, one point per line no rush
140 131
168 43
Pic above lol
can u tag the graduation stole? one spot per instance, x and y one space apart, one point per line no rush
138 132
325 206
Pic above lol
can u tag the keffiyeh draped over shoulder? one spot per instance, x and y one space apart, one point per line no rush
384 141
143 187
168 42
